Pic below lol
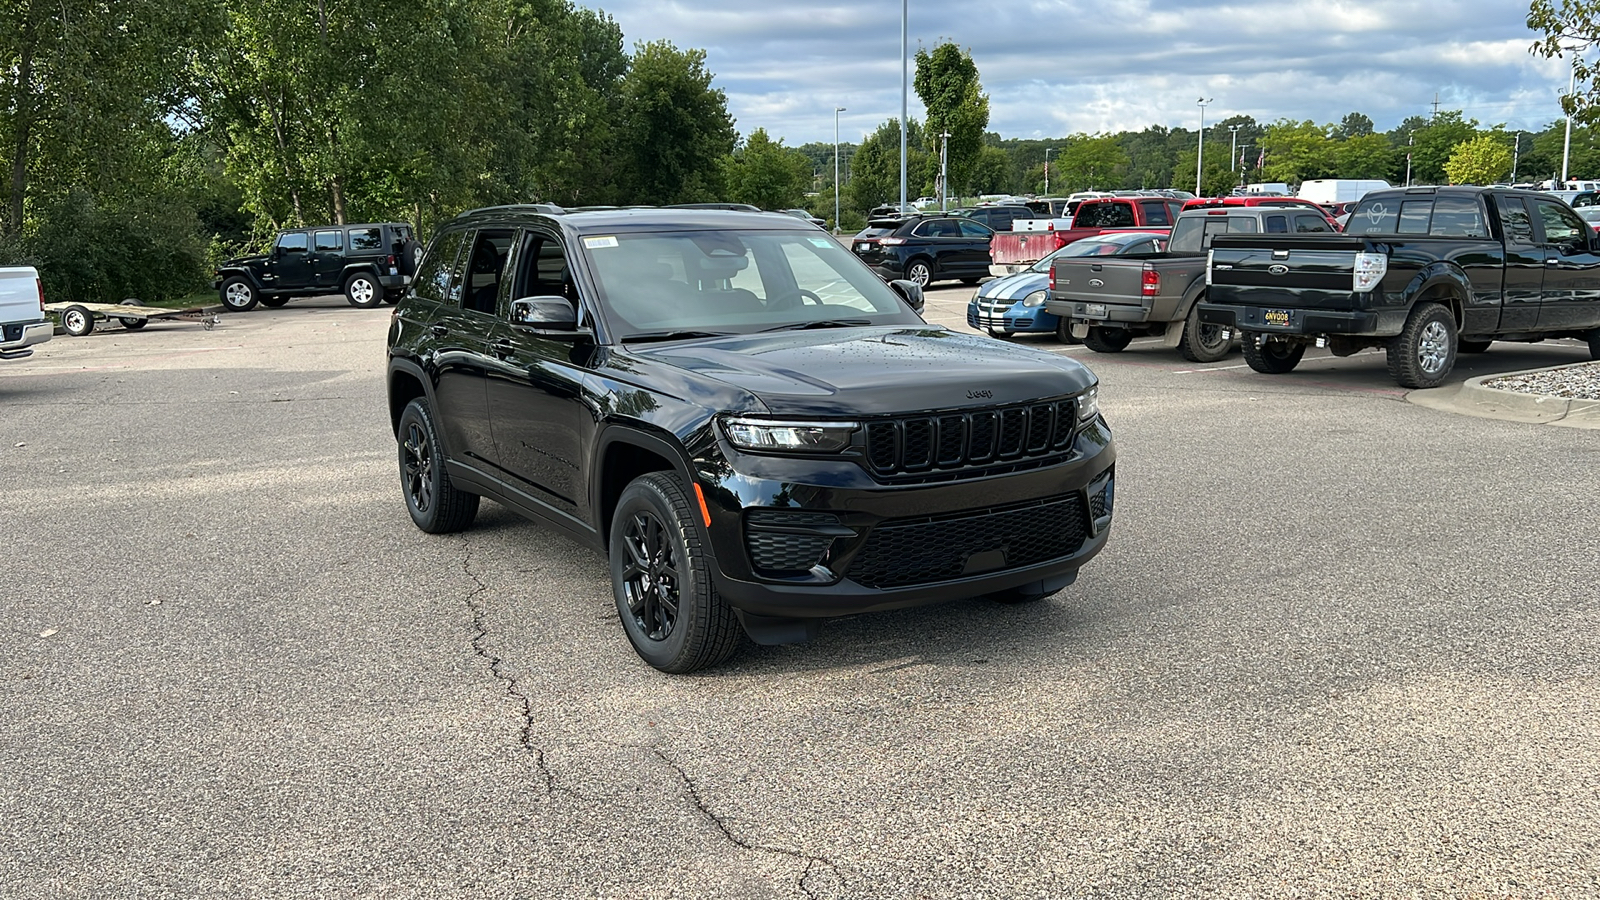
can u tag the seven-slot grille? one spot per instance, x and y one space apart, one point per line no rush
914 444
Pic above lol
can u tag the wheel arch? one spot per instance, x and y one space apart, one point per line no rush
407 382
1443 284
623 454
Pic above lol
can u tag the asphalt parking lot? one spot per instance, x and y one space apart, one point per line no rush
1339 645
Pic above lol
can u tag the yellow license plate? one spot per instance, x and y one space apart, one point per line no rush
1276 317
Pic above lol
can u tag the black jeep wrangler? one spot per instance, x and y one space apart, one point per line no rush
369 263
757 430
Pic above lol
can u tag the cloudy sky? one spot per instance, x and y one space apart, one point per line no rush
1058 67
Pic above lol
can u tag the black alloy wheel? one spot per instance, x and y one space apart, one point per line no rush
436 505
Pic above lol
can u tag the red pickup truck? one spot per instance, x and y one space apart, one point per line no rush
1014 251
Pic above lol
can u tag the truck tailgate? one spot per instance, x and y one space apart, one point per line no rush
1109 280
1283 272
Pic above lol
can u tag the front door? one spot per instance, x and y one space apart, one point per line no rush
291 261
1571 269
540 418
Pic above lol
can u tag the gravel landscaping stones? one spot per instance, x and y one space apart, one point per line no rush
1578 382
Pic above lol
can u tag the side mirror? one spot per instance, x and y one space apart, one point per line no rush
909 291
551 315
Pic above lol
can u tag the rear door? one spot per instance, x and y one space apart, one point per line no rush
327 257
1571 296
459 337
975 239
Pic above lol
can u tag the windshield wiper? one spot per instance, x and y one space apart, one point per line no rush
821 323
652 336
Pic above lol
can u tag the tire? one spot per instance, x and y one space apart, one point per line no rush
661 580
77 321
436 505
969 282
130 323
1271 357
239 295
363 291
920 272
406 260
1465 346
1594 344
274 302
1425 351
1064 331
1202 342
1107 340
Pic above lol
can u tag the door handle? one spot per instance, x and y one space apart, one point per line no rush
502 349
438 330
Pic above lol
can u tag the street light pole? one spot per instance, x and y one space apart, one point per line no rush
1516 153
944 171
1566 145
904 89
1047 170
1200 149
836 111
1233 152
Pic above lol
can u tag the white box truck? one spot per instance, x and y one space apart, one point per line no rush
1328 191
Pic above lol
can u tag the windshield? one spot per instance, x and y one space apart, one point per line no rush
729 282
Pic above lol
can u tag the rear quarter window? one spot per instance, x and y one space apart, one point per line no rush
366 239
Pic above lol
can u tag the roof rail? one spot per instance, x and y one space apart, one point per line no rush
548 208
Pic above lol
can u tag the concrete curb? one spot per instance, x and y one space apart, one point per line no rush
1474 398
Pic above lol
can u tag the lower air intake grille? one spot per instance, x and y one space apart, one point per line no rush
905 552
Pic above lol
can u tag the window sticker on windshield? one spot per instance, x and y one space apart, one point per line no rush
599 243
824 243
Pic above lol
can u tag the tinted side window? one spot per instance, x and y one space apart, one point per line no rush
1414 216
329 240
1277 224
432 281
1457 217
294 242
1310 223
1561 224
1514 219
1155 213
974 230
479 291
366 239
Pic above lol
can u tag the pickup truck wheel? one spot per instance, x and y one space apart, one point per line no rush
274 302
661 578
363 291
1271 357
1594 344
1064 331
77 321
1108 340
238 295
1202 342
1425 351
919 272
436 505
1466 346
129 322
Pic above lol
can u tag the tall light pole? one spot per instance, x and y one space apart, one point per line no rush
1200 149
1566 145
1516 153
944 170
1233 152
836 111
1410 143
904 93
1047 170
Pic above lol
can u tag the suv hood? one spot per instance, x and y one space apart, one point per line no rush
876 370
252 260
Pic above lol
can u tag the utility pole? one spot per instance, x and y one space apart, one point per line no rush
1436 104
836 111
1410 144
1566 144
1047 170
944 171
1516 153
1200 149
1233 152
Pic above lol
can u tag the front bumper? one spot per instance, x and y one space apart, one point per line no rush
19 338
1014 318
1302 320
873 546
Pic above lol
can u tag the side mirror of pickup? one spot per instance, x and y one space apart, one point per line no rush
909 291
551 316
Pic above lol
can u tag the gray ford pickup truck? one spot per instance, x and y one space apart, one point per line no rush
1108 301
1421 272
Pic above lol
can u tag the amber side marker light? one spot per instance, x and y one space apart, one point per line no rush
705 513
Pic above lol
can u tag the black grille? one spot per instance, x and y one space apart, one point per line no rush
905 552
790 542
915 445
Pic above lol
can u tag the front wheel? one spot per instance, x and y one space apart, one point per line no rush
77 321
1425 352
239 295
919 272
363 291
436 505
1271 357
1108 340
661 579
1202 342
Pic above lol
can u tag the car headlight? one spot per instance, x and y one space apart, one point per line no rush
796 437
1089 404
1034 299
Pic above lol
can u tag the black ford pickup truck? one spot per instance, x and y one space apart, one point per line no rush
1421 272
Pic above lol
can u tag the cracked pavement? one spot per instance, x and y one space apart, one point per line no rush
1339 645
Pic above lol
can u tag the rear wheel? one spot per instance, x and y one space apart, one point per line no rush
1465 346
661 579
238 295
274 302
1202 341
1269 356
1425 352
920 272
363 290
1108 340
77 321
436 505
129 322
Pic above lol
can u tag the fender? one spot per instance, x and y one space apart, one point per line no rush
245 272
1432 276
355 268
415 370
634 433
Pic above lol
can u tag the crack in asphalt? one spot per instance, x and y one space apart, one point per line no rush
811 861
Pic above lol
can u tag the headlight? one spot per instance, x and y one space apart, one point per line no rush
778 437
1089 404
1034 299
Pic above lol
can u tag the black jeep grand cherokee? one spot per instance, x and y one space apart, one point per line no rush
755 428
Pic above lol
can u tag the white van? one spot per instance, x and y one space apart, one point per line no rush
1328 191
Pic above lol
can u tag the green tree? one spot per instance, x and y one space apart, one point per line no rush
875 169
1087 163
675 126
1435 142
1483 160
1364 156
1571 23
992 173
1353 125
1296 151
947 82
767 174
